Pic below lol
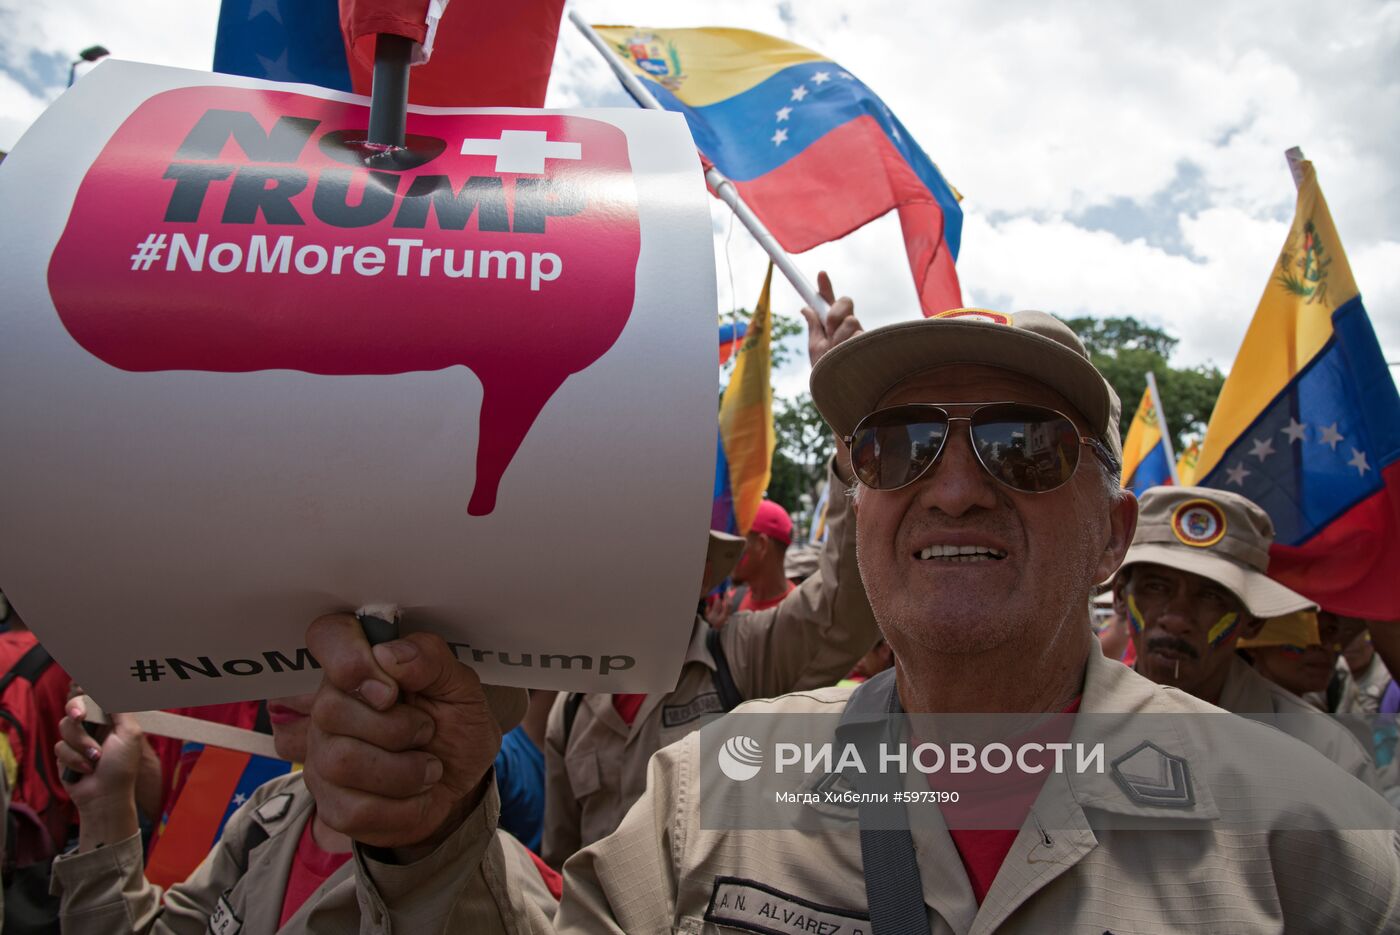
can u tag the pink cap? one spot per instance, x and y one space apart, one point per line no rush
773 521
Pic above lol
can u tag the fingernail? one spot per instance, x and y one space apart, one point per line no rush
94 754
434 771
399 651
425 733
376 693
75 712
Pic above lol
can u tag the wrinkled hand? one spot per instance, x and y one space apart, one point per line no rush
717 610
401 737
840 323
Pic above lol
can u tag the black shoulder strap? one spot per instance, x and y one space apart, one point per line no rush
729 695
571 704
894 890
30 666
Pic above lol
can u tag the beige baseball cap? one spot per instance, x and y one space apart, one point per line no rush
850 379
1215 534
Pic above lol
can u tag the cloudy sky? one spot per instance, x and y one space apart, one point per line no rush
1115 159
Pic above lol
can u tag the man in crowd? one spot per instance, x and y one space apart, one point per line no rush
982 527
597 746
1192 585
1364 677
760 578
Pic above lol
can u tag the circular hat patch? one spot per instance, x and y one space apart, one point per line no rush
976 314
1198 523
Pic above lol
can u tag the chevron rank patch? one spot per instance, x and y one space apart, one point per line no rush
1152 776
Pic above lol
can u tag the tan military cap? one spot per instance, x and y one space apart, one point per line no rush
850 379
1215 534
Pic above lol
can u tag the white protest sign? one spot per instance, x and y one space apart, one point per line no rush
251 373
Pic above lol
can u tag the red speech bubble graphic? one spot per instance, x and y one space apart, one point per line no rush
234 230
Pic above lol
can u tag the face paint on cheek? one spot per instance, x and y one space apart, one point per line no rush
1222 629
1135 618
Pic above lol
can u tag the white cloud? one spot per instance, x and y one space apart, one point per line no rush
1175 116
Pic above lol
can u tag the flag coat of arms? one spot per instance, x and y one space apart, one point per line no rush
812 150
1308 424
1147 459
1186 464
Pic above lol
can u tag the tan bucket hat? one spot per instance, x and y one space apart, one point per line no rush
1215 534
850 379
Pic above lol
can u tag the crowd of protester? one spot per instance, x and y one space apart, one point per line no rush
483 810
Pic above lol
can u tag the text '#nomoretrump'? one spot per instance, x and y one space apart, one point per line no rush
400 256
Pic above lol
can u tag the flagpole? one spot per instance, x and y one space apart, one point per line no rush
1162 423
717 181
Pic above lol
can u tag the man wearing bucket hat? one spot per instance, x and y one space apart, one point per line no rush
1193 586
597 746
989 506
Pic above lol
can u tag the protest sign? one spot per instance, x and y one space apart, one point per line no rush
253 371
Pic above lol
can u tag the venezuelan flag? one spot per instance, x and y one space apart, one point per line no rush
746 434
1147 460
496 54
813 151
1186 464
216 783
1308 424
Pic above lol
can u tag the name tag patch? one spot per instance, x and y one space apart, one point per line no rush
754 907
222 921
677 714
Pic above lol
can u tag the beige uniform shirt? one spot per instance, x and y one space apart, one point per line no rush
663 871
811 639
1247 692
240 888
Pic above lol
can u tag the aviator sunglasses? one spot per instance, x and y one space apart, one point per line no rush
1032 449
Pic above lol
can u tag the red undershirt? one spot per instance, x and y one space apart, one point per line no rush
627 706
748 603
984 850
310 868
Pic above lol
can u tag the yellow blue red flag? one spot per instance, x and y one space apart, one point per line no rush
1147 456
746 431
812 150
1308 424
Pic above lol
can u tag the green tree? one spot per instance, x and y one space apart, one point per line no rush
784 329
1125 349
804 443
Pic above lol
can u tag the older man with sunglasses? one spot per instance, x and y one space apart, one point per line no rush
986 448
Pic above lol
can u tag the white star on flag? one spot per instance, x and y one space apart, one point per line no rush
799 92
1330 436
239 799
1358 461
264 6
1296 430
1237 474
847 75
779 137
784 113
1262 448
821 77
